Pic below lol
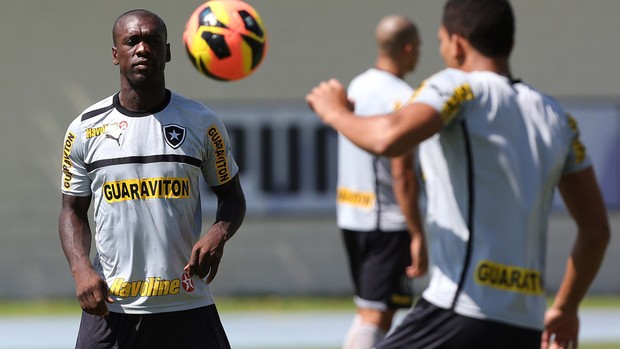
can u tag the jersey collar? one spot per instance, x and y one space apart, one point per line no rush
117 104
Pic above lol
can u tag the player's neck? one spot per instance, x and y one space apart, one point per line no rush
390 67
499 65
141 98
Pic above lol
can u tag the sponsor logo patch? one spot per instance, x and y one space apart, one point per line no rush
509 278
578 148
151 287
66 160
459 96
112 129
146 188
355 198
221 162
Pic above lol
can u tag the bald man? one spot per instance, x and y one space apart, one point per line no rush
377 196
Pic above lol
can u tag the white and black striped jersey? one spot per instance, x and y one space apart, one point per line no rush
365 198
143 172
490 176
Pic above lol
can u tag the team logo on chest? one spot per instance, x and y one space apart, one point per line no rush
174 135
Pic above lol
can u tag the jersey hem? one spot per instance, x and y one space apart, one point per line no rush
466 311
124 309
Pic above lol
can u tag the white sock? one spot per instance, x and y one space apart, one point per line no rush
362 335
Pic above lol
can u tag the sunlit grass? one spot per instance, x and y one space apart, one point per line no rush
238 304
599 346
9 307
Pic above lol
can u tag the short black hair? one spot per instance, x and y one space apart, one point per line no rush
161 23
489 25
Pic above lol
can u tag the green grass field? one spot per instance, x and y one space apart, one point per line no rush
238 304
10 308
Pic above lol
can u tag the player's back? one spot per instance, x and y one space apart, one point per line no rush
366 198
490 176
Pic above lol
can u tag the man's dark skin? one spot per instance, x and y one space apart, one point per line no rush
141 51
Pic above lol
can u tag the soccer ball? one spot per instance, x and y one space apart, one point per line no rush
225 39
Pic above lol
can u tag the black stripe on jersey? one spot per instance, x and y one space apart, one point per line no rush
184 159
375 165
96 112
470 213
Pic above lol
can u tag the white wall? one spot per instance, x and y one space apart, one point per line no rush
56 60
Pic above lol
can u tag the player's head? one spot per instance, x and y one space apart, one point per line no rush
397 39
488 25
140 47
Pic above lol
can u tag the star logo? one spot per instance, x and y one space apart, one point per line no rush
187 282
174 135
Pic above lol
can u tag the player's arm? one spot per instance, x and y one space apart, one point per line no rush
584 201
207 252
406 192
383 135
75 238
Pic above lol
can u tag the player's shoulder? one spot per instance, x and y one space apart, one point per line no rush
374 76
454 76
97 108
526 88
450 74
378 82
538 97
90 115
192 106
445 81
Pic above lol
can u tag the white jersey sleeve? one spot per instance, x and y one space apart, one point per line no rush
218 166
75 179
445 92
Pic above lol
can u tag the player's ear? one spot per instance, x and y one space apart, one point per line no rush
460 46
408 48
168 55
114 56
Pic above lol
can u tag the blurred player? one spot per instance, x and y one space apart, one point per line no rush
140 156
495 150
377 196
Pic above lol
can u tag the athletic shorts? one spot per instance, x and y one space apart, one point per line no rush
188 329
377 262
431 327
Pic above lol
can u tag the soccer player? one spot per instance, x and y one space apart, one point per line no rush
139 156
494 150
377 196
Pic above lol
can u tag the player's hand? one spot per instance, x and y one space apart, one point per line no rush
92 292
207 253
419 257
327 99
561 330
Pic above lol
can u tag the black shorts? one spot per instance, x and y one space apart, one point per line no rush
188 329
431 327
377 262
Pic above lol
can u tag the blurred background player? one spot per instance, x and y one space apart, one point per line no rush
377 207
140 156
495 151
